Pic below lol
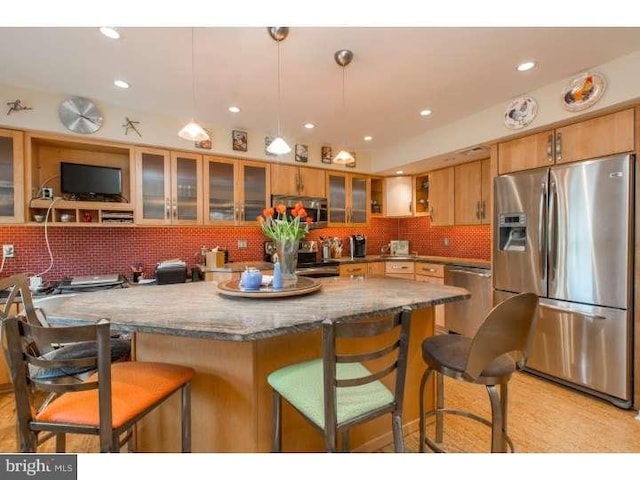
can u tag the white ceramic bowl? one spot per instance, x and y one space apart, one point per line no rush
38 218
65 217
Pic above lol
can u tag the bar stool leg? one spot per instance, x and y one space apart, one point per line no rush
439 407
276 444
423 386
498 443
186 418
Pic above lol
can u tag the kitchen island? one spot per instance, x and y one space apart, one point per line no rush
234 343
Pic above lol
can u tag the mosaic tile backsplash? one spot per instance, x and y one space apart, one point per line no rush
84 251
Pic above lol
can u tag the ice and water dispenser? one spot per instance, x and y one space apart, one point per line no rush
512 228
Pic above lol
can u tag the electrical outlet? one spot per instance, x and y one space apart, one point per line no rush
242 244
8 251
447 242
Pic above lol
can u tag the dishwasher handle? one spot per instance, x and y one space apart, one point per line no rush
470 271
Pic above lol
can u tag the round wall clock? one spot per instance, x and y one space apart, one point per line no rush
80 115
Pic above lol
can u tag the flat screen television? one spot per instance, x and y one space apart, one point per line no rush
89 181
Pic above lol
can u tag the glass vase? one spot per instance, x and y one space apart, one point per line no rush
287 251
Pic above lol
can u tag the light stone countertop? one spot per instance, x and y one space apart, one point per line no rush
459 261
198 310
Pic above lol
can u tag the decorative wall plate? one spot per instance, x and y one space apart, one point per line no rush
520 112
583 91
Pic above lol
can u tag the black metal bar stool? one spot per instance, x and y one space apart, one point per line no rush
486 359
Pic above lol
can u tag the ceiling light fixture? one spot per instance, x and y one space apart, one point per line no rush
278 146
234 109
309 125
426 112
523 67
193 131
367 138
109 32
121 84
343 58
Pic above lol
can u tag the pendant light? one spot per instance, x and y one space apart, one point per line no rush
343 58
193 131
278 146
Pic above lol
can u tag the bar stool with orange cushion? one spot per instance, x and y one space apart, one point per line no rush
107 404
486 359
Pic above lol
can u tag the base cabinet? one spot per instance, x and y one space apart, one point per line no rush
432 273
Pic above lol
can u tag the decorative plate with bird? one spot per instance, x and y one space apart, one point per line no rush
583 91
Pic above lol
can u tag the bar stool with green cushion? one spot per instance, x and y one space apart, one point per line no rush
343 388
486 359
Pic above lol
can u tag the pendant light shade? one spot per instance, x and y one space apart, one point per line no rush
343 58
193 131
278 146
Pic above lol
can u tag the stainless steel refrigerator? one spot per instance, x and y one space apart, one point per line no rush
566 234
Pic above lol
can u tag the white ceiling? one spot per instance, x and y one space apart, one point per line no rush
395 73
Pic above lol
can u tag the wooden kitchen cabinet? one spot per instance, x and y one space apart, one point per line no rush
399 269
169 187
349 196
441 196
378 194
236 191
606 135
432 273
399 197
354 270
375 268
294 180
11 176
421 195
472 193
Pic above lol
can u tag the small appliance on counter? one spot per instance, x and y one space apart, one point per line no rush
358 245
171 271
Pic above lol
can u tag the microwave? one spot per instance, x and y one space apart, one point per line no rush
316 207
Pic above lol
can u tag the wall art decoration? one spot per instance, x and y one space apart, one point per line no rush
325 154
352 164
267 142
205 144
239 139
583 91
302 153
520 112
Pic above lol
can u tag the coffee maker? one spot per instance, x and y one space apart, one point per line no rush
358 245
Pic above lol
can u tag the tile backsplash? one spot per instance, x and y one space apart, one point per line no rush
83 251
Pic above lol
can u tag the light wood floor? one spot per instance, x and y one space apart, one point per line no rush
543 417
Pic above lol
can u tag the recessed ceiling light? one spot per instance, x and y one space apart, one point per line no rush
523 67
399 172
368 138
110 32
234 109
425 113
121 84
309 125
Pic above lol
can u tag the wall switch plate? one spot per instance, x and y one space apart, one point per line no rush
447 242
242 244
8 251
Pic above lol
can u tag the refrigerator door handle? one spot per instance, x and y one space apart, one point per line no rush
590 316
542 234
553 231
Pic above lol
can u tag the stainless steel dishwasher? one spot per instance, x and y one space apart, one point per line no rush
465 317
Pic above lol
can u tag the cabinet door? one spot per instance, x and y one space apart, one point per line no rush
441 201
378 196
598 137
357 200
354 270
312 182
153 190
220 190
253 194
527 152
439 309
337 187
468 193
284 179
399 197
375 268
11 176
186 189
421 195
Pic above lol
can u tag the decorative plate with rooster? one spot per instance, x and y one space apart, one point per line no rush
583 91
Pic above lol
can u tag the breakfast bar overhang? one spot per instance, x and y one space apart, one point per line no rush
234 343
